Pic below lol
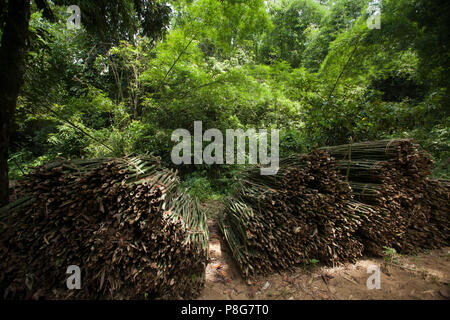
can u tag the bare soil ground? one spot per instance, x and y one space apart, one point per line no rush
421 276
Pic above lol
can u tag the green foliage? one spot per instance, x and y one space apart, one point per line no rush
293 21
21 163
312 69
293 141
390 254
198 186
202 186
228 23
112 21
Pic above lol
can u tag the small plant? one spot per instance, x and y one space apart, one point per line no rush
313 262
389 254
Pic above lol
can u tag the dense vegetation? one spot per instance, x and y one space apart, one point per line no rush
313 69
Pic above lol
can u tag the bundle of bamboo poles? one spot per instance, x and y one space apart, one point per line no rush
336 204
392 175
403 153
429 227
123 221
276 222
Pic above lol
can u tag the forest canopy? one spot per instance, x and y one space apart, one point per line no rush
317 70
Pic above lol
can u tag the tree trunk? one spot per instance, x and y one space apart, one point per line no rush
11 78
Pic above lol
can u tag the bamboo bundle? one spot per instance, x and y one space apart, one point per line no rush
432 228
336 203
123 221
403 154
279 221
392 174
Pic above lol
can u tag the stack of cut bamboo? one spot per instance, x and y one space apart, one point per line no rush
391 176
122 221
336 204
279 221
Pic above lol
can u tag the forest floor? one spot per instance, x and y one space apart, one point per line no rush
421 276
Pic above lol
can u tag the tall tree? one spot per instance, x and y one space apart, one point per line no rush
11 78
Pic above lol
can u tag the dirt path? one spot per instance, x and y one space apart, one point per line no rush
424 276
